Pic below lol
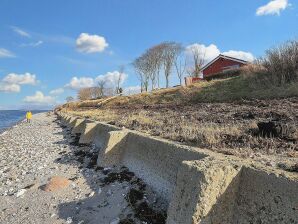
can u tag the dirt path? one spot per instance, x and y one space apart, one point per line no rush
32 154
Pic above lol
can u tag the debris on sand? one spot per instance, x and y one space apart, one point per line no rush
289 167
56 183
274 129
143 211
123 175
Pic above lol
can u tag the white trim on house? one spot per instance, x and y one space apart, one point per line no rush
225 57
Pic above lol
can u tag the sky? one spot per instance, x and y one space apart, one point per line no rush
50 49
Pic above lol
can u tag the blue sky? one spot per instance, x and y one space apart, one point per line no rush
45 44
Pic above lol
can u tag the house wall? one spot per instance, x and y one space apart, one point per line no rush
219 65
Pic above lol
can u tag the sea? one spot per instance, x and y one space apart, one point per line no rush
9 118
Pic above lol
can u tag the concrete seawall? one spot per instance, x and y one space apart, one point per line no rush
198 185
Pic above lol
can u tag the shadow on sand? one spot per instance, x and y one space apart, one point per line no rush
116 194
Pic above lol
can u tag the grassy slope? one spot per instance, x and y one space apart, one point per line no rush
227 90
176 114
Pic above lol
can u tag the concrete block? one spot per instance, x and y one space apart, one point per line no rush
72 122
113 148
68 120
200 186
205 192
79 126
88 133
266 197
102 133
157 161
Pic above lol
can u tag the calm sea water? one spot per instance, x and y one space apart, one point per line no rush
9 118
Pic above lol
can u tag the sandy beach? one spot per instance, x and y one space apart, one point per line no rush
47 177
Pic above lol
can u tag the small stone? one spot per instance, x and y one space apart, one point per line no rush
56 183
69 220
109 193
91 194
115 221
20 193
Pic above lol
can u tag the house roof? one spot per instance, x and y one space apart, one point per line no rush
225 57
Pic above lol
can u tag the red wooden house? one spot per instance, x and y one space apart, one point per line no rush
221 67
221 64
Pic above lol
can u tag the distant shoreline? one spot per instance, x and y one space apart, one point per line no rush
3 130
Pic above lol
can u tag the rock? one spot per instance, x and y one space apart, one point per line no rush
109 193
20 193
69 220
91 194
56 183
115 221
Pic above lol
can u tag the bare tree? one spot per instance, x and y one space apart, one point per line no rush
109 91
95 92
69 99
198 57
121 72
180 65
140 67
150 66
170 52
85 94
101 87
157 60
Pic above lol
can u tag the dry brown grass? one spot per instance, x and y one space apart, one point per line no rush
227 90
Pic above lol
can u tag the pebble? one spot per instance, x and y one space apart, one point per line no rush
115 221
69 220
91 194
20 193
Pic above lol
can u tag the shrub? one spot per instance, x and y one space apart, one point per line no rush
281 63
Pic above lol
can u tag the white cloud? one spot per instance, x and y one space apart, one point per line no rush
111 78
91 43
39 98
131 90
6 53
9 88
20 31
246 56
57 91
274 7
20 79
33 44
78 83
206 52
12 82
212 51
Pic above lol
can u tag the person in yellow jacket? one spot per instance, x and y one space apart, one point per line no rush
29 116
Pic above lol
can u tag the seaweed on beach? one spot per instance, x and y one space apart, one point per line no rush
126 221
143 211
92 161
122 176
147 214
76 139
134 196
